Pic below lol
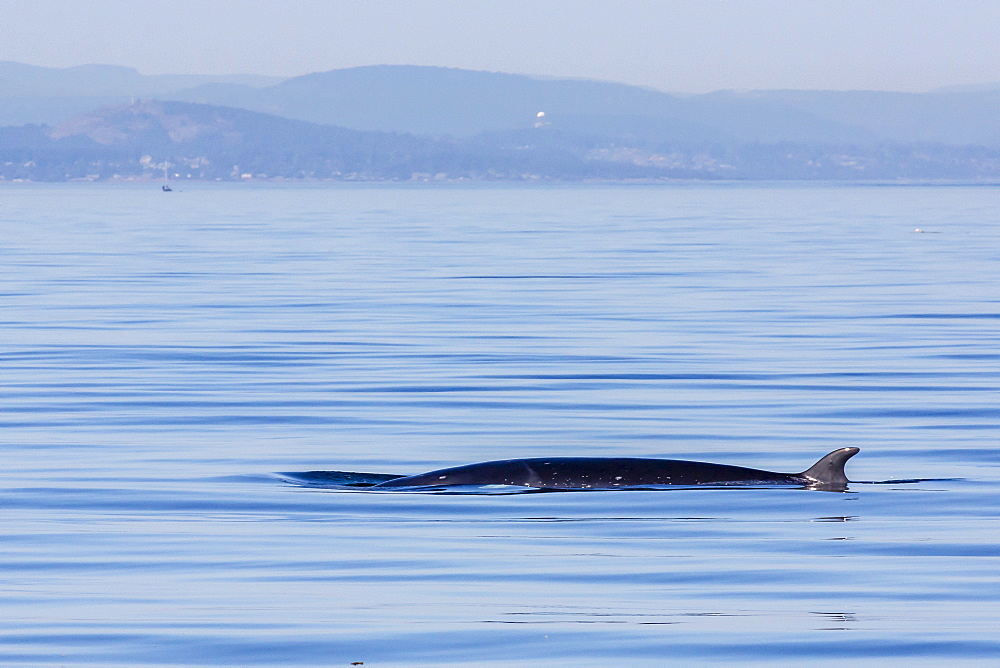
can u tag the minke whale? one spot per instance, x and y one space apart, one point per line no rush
618 472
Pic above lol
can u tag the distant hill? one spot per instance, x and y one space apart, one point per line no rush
443 101
963 118
969 88
109 80
32 94
182 140
155 138
438 101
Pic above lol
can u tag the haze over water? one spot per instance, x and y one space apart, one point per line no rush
173 363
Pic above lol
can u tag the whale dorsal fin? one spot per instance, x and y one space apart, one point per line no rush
830 469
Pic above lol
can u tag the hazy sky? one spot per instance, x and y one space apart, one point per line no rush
672 45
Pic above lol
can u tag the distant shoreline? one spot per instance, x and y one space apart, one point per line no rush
540 182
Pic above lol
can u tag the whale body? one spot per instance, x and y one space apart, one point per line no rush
617 472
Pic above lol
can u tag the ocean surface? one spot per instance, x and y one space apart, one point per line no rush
176 367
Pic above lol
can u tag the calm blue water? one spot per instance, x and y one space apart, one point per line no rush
171 362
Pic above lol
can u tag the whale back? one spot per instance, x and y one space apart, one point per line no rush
503 472
616 472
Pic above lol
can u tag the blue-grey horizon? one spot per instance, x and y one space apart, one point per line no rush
671 45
